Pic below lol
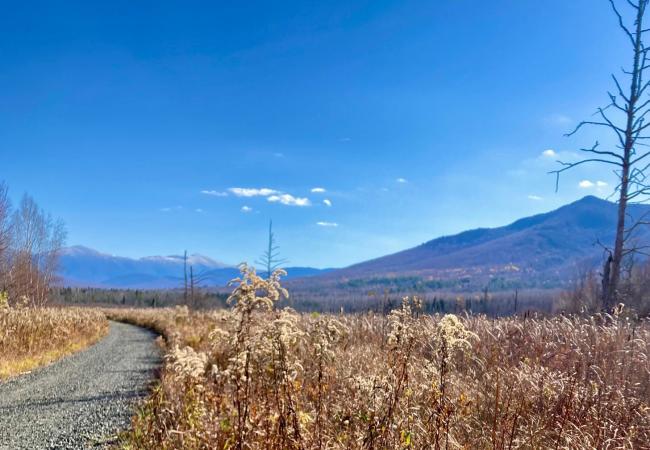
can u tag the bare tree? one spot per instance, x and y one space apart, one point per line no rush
5 239
192 282
36 242
197 281
271 259
185 277
625 118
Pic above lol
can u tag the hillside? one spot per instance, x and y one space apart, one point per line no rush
547 249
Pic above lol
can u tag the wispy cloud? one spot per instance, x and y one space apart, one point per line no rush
586 184
549 153
246 209
214 193
558 120
327 202
318 190
536 198
252 192
402 180
289 200
278 154
601 184
327 224
198 210
170 209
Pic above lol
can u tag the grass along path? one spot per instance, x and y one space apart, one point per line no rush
34 337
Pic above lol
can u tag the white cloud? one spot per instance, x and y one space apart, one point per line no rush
252 192
318 190
246 209
271 195
327 202
601 184
327 224
549 153
215 193
402 180
289 200
586 184
537 198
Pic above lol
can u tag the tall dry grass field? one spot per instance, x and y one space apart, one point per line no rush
255 377
31 337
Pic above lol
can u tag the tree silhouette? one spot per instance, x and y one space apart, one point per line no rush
271 259
625 118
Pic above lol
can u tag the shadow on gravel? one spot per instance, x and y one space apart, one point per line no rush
96 398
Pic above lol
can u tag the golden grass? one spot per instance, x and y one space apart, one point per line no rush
33 337
255 377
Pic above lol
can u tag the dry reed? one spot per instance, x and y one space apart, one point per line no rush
254 377
31 337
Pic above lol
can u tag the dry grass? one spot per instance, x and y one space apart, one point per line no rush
32 337
255 377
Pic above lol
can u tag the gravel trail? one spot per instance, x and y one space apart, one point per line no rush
80 401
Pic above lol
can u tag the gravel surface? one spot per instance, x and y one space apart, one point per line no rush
83 400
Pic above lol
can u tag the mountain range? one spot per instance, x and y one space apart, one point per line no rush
545 250
84 267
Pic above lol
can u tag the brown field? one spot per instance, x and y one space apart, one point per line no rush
32 337
254 377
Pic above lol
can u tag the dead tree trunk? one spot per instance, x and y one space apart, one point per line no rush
185 276
628 128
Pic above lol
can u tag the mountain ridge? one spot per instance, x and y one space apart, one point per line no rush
554 244
81 266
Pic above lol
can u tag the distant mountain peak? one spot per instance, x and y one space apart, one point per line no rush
80 250
591 199
193 259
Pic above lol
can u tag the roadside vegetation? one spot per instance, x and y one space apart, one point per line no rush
31 334
257 376
32 337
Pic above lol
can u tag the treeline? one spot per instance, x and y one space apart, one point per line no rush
419 285
491 304
151 298
30 244
496 304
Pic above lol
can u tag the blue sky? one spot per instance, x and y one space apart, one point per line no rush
418 118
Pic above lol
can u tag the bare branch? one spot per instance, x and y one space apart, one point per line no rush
620 21
601 152
567 166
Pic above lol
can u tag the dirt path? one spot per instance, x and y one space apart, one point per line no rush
83 400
